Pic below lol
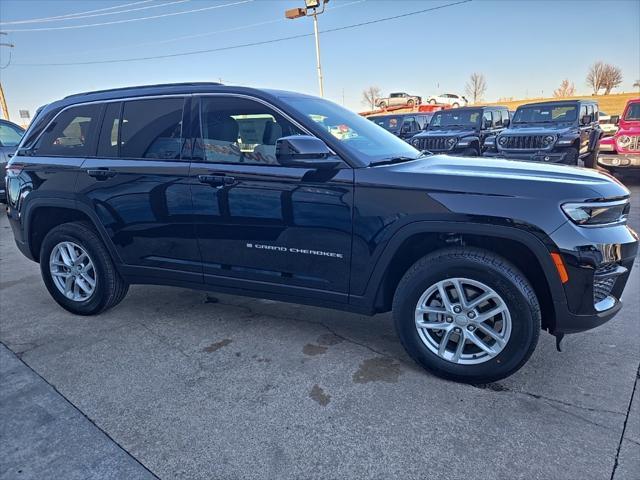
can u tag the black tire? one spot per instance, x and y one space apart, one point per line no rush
110 288
469 152
433 101
456 105
493 271
572 157
591 160
382 105
411 103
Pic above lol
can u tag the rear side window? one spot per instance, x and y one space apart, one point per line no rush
71 134
151 128
10 136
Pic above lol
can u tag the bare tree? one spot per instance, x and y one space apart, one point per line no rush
612 78
566 89
370 95
595 76
476 87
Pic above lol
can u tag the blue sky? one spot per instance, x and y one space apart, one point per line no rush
524 48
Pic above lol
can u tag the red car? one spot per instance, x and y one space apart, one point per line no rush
621 152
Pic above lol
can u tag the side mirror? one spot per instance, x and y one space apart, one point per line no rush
305 151
615 119
505 122
586 119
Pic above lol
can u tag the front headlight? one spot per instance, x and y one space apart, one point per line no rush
502 141
597 213
415 142
623 141
548 140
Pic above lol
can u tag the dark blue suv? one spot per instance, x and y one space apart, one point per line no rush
290 197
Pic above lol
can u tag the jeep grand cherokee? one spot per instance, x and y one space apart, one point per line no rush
290 197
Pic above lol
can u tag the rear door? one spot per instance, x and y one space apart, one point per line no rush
262 225
136 183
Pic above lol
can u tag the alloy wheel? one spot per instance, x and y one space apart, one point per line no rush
463 321
72 271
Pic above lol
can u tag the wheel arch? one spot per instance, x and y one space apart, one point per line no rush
42 214
523 249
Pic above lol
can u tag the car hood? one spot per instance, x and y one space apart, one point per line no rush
528 193
629 128
546 129
450 132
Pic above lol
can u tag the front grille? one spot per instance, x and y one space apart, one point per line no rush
434 144
635 143
523 142
603 283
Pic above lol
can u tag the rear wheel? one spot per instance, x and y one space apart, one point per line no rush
433 101
456 105
467 315
382 105
411 103
78 271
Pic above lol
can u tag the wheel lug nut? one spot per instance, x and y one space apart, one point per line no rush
471 328
449 319
457 330
457 309
471 315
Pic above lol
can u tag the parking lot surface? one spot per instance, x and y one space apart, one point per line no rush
190 385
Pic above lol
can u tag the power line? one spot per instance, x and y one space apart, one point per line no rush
78 17
57 17
196 35
114 22
244 45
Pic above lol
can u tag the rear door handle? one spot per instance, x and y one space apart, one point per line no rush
101 173
217 180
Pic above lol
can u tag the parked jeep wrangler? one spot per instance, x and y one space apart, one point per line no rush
290 197
403 125
462 131
621 153
566 131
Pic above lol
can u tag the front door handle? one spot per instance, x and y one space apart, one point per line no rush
101 173
217 180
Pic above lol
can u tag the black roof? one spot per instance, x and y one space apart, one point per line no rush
142 87
559 102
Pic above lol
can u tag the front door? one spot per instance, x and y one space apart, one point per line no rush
137 185
261 225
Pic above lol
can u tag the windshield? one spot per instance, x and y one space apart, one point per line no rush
360 136
546 114
633 112
455 118
388 123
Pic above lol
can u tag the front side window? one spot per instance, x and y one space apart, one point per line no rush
239 130
359 136
10 136
71 133
486 118
151 128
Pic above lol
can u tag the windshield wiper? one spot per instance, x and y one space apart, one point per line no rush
392 160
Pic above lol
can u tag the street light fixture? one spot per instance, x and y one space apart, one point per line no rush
311 10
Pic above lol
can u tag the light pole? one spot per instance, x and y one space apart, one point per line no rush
3 101
311 10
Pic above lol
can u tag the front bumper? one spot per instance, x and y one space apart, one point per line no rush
598 261
614 161
544 157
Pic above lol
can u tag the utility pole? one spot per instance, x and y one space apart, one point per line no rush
3 100
311 10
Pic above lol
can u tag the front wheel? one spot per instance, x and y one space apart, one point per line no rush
78 271
433 101
467 315
571 157
591 160
382 105
410 103
456 105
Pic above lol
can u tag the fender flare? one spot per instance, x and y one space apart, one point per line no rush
529 240
34 204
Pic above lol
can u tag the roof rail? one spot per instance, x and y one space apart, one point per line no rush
184 84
